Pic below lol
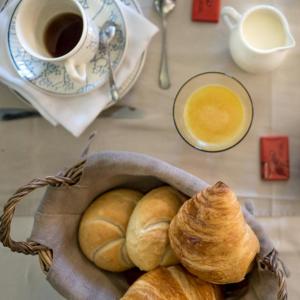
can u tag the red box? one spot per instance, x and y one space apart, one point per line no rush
274 152
206 10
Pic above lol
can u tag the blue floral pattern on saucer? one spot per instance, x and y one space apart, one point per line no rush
53 78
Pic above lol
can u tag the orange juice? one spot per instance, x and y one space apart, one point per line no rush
214 115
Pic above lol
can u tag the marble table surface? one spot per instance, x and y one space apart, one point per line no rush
33 148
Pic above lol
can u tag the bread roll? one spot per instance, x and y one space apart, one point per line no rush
172 283
147 238
211 238
103 227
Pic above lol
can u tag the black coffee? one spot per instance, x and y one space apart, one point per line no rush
63 33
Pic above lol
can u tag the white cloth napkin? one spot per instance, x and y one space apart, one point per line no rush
76 113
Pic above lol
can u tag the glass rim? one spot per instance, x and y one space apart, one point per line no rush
249 98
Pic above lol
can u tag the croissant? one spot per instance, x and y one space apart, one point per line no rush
211 238
172 283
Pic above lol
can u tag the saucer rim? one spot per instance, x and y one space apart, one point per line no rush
100 82
137 73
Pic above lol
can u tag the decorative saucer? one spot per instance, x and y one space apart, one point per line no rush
132 78
53 78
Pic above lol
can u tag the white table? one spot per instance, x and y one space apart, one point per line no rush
33 148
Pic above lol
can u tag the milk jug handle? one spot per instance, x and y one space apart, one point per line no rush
230 16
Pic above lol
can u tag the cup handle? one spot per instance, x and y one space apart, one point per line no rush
230 16
76 72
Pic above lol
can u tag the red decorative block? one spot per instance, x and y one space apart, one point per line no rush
275 158
206 10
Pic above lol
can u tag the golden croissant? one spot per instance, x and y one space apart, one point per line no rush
173 283
211 238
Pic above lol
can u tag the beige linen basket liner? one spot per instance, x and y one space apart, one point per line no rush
54 234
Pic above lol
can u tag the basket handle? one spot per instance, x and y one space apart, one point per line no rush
69 177
272 263
29 247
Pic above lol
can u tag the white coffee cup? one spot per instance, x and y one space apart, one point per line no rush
33 17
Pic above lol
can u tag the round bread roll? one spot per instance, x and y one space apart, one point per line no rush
103 227
147 238
173 283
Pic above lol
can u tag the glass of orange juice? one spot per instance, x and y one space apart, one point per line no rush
213 112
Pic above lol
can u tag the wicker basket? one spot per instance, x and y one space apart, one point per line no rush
71 177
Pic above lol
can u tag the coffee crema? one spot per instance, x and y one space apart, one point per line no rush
63 33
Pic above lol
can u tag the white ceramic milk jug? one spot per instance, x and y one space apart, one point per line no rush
259 39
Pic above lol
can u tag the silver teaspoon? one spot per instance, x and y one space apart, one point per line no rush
107 33
164 7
